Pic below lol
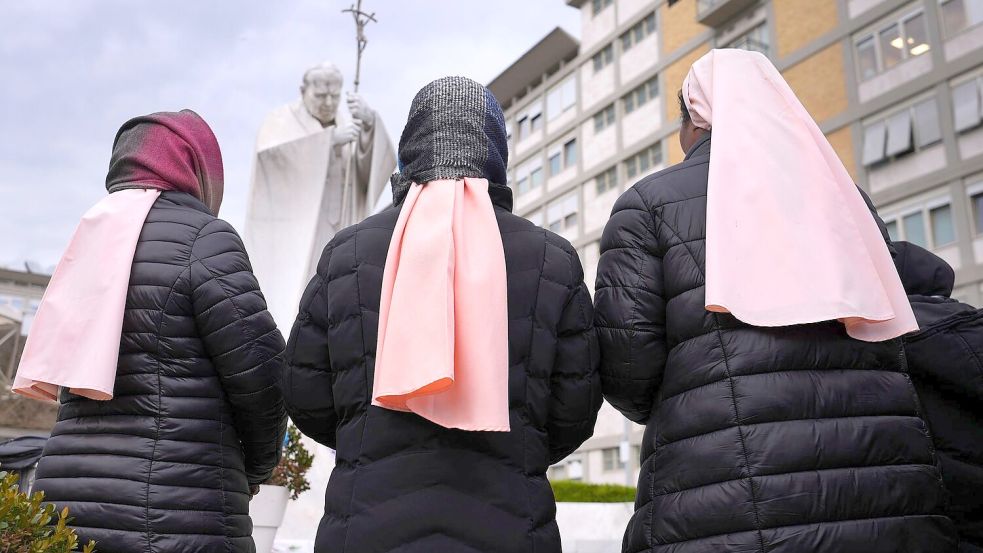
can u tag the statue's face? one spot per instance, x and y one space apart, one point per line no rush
322 94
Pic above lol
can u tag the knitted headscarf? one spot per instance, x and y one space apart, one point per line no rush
455 129
168 151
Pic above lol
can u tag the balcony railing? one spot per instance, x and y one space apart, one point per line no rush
717 12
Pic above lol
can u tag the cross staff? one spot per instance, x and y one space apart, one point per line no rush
361 19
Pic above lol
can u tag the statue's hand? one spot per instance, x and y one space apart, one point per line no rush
362 114
346 135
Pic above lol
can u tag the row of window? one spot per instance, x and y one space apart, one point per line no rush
906 131
629 39
638 32
917 126
931 225
563 158
889 45
911 227
597 6
900 38
642 94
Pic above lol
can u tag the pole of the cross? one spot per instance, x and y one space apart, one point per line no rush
361 19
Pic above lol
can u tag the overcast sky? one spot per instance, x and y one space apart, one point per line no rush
72 71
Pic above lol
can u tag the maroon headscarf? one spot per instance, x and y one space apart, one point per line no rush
168 151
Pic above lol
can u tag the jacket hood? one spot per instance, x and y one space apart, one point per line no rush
922 272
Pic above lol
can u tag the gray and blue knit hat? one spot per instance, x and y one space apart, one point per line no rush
455 129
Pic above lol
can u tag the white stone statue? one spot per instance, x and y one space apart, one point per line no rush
304 153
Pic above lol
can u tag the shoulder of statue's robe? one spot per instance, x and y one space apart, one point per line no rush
284 124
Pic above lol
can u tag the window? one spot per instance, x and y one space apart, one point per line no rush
755 40
570 152
649 90
867 59
638 32
891 44
535 178
888 45
603 58
892 230
522 185
561 215
903 132
529 178
977 201
914 226
603 119
523 127
943 231
642 162
563 156
959 15
535 122
966 105
914 229
597 6
556 163
608 180
561 98
536 217
611 457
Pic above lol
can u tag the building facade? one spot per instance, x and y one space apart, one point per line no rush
895 84
20 296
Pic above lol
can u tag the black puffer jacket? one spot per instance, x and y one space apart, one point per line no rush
778 440
945 360
403 483
165 466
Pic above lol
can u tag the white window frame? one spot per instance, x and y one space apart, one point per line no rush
603 58
925 209
607 184
598 6
946 31
916 143
651 151
630 100
563 203
646 26
602 120
875 34
972 190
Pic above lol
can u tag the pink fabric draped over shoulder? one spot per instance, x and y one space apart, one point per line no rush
789 238
443 318
75 337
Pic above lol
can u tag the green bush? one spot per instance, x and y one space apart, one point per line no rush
579 492
296 460
25 524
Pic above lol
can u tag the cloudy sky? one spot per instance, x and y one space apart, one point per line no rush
74 70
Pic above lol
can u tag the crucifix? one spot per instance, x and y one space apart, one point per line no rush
361 19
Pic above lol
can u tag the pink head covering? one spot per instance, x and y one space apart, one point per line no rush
443 317
789 238
75 338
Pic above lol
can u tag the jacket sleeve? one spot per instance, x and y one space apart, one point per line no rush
630 310
242 340
307 377
575 387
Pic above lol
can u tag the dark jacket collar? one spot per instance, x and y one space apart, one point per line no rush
185 200
702 147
